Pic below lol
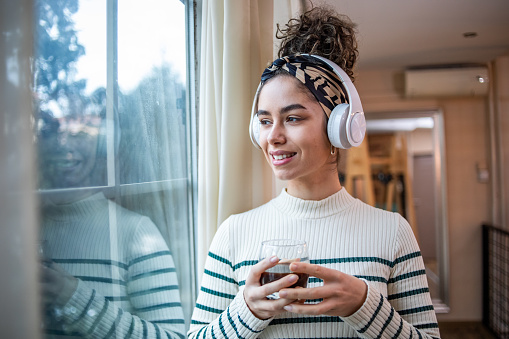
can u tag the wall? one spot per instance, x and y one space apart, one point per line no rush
466 143
19 316
501 112
465 123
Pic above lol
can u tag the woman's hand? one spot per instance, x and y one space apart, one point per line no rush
342 294
255 295
57 286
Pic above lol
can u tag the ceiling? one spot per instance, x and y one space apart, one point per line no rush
398 34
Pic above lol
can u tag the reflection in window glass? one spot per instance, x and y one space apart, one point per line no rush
112 155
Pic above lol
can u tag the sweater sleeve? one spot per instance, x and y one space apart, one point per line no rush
152 290
407 312
221 310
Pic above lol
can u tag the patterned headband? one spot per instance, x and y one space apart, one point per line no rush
316 75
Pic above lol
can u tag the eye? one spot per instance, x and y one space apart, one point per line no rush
265 122
293 119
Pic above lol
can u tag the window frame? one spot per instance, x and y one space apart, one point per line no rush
113 189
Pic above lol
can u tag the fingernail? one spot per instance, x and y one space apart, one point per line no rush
274 259
293 278
293 266
288 308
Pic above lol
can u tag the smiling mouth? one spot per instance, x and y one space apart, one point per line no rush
66 163
283 156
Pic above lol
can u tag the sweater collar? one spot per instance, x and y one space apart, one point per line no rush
312 209
89 206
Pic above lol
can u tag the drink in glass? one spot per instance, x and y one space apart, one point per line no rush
287 251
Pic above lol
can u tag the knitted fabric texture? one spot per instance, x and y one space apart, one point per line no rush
128 284
342 233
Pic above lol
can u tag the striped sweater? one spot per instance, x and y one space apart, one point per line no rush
127 281
342 233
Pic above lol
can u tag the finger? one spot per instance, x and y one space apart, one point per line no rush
45 273
45 261
319 292
277 285
284 282
256 271
317 271
300 301
310 309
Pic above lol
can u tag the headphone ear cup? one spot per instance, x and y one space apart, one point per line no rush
254 131
336 127
356 129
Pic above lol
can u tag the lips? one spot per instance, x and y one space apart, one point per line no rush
66 164
281 157
68 161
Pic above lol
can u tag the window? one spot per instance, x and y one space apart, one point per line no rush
112 129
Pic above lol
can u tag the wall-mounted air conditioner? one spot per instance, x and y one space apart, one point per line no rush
446 81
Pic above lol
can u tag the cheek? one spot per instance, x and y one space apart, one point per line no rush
267 156
262 137
88 149
318 138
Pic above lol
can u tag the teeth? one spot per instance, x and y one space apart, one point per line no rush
281 157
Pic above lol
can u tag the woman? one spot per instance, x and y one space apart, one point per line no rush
106 271
367 276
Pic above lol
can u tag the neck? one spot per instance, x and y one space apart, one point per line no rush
69 197
314 190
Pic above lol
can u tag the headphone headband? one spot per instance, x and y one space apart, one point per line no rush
353 97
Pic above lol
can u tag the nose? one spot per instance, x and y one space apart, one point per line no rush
276 134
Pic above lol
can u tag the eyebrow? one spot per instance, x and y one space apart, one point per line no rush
283 110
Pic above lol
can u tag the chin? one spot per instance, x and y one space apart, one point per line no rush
284 176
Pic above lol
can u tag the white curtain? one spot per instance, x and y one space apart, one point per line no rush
237 44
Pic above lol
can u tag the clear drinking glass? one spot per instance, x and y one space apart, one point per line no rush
287 251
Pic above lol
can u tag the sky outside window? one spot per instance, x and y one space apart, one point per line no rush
150 33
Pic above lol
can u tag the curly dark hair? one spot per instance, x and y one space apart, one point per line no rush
321 31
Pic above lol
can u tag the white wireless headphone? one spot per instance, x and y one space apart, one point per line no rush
346 126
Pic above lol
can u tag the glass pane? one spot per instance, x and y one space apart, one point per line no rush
151 79
114 237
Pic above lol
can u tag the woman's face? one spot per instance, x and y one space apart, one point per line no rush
68 153
293 132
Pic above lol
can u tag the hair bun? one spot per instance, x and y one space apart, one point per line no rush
321 31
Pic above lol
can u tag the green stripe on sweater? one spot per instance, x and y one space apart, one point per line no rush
417 310
153 273
216 293
408 293
154 290
221 259
158 307
102 280
208 309
91 262
305 320
148 257
220 276
407 275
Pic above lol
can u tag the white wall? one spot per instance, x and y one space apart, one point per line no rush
19 316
